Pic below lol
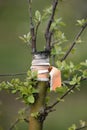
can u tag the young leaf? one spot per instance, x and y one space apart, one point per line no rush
35 115
85 73
81 22
47 12
61 90
79 40
37 16
60 100
26 38
82 123
73 127
31 99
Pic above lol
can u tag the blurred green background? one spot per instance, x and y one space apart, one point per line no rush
15 57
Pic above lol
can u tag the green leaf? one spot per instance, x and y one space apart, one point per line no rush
81 22
57 22
60 100
84 63
76 80
46 13
37 16
47 99
31 99
85 73
26 38
22 38
82 123
35 114
73 127
3 84
26 84
79 40
32 75
61 90
14 91
34 90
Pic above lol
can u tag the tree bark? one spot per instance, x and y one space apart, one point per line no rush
34 123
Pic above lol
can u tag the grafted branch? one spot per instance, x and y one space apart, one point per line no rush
48 33
32 29
74 42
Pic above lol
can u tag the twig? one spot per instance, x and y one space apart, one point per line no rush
48 34
49 109
54 42
26 120
81 127
14 124
37 28
74 42
64 95
10 75
18 120
32 29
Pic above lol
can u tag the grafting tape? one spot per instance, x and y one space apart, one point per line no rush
40 63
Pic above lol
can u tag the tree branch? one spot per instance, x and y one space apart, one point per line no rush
32 29
14 124
48 34
18 120
63 96
26 120
81 127
74 42
54 42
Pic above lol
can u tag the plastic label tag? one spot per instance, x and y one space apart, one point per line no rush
55 78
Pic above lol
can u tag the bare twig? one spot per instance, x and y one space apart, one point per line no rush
80 128
74 42
48 34
32 29
15 74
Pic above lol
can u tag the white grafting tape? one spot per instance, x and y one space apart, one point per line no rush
42 71
40 63
43 79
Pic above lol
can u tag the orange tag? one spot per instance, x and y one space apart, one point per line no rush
55 78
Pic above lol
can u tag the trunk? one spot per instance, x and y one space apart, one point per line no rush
40 64
34 123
